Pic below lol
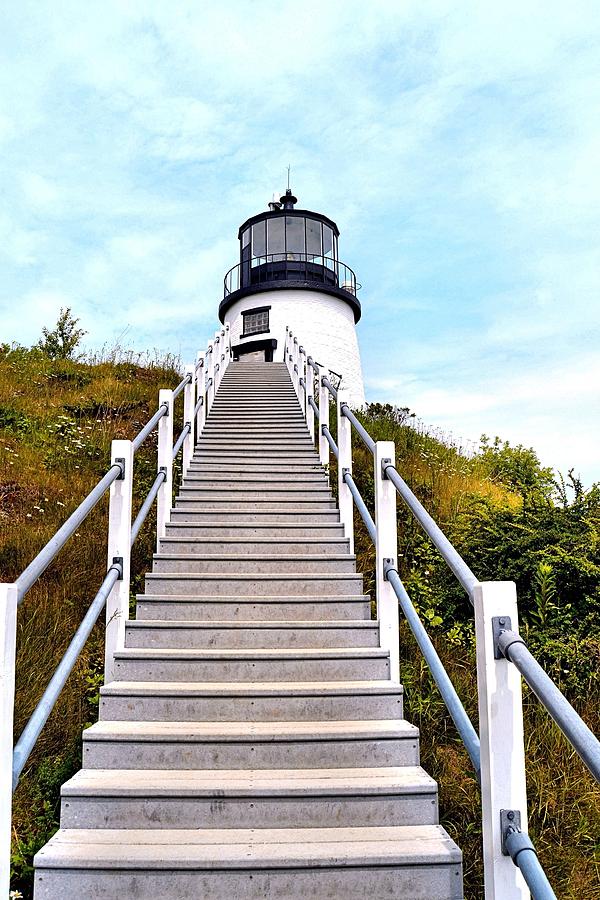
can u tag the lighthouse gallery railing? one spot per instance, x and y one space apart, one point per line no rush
198 388
511 865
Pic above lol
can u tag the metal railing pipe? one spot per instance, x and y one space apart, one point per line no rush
179 442
313 405
41 562
198 406
330 441
146 506
463 724
181 386
149 427
587 745
330 387
361 506
360 430
522 852
40 715
448 552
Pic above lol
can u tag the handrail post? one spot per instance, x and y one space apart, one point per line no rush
386 552
285 347
302 367
227 348
309 380
119 548
222 356
164 498
210 377
8 654
503 784
188 416
295 368
344 443
200 391
323 418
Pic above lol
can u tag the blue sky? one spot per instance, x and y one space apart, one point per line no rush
457 145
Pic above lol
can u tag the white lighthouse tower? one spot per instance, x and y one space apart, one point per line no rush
289 274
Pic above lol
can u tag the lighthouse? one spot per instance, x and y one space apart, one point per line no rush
289 275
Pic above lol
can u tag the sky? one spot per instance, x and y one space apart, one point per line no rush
456 145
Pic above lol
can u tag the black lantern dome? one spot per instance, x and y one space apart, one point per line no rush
289 248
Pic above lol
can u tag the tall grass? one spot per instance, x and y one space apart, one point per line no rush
57 420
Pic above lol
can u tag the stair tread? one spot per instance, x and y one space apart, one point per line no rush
218 848
375 729
253 653
248 782
248 688
240 624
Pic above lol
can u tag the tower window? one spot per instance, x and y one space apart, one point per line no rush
256 321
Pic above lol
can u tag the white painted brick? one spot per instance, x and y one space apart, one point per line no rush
324 325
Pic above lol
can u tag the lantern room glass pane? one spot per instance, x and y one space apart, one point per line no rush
275 236
313 237
259 243
245 237
327 241
294 236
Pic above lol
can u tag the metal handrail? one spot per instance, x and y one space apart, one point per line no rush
182 385
361 506
313 405
448 552
328 437
360 430
146 505
162 410
179 442
519 847
40 715
329 386
198 405
41 562
463 724
512 646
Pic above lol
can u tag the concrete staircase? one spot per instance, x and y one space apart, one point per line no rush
252 744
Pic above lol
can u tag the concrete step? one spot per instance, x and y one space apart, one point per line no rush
254 584
255 798
320 515
292 533
223 504
299 664
227 635
230 563
252 745
262 490
288 431
250 701
256 609
416 861
244 469
299 455
274 545
256 481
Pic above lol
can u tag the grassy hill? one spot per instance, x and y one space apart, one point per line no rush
501 509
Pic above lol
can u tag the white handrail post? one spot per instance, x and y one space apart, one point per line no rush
323 417
344 443
200 391
217 361
222 359
210 377
285 347
503 785
8 651
386 548
309 376
295 367
302 377
227 347
164 498
119 550
189 394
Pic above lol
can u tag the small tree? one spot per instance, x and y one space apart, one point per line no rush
62 341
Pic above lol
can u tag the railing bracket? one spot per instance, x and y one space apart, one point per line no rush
384 465
118 562
500 624
120 462
388 564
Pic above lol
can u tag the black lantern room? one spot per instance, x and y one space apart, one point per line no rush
289 248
